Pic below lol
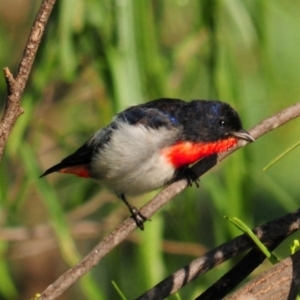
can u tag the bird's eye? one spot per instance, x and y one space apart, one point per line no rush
222 123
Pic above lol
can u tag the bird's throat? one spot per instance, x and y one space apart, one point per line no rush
186 153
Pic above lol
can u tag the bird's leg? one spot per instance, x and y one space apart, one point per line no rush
135 214
189 175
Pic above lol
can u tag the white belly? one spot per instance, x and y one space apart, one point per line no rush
131 163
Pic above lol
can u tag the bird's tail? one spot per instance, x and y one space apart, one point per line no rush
79 170
76 163
56 168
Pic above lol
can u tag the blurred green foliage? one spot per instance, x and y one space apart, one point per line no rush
99 57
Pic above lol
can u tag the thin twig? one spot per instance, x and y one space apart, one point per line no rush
15 87
120 233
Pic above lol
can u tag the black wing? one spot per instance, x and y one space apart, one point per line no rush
83 155
154 114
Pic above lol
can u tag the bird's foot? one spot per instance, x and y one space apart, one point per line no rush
137 217
135 214
191 177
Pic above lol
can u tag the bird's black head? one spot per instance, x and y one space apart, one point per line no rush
210 121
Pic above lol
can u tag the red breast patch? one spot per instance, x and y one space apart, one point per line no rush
186 153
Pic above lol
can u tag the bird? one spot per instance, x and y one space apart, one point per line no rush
148 146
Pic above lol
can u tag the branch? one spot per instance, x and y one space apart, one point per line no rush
121 232
280 282
271 231
239 272
15 87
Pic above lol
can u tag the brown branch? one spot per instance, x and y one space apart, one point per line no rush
280 282
267 233
121 232
239 272
15 87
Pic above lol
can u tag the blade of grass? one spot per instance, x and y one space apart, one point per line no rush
121 294
281 156
244 228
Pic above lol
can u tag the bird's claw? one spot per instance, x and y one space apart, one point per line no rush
135 213
138 217
191 177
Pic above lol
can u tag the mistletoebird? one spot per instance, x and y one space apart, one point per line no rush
148 146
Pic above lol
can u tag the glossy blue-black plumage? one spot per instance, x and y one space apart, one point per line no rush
154 114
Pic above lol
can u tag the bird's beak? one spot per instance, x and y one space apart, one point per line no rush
243 134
